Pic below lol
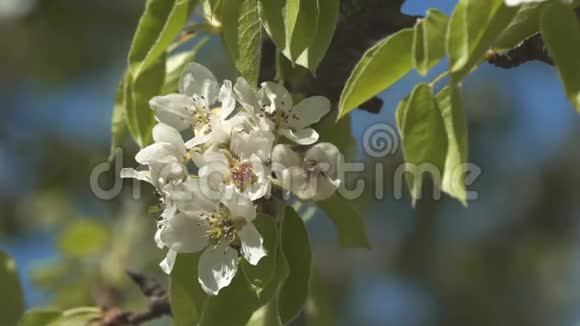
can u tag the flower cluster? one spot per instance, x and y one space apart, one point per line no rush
242 143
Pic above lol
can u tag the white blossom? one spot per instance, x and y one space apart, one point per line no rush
166 158
273 102
196 105
218 233
240 167
235 148
313 177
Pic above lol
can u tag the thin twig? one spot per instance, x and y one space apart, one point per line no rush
158 307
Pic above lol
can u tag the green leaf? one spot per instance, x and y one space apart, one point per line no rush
186 295
233 306
77 316
159 25
262 274
318 310
39 317
265 316
139 117
401 112
525 23
12 306
243 36
118 126
272 17
314 53
301 25
423 136
349 224
429 40
83 238
472 30
214 5
176 63
561 32
379 68
295 247
450 104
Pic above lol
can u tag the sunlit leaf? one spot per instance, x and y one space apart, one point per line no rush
561 31
327 18
82 238
524 24
243 36
429 40
159 25
379 68
450 104
472 30
295 247
176 63
301 26
139 117
349 224
423 136
214 5
186 295
12 307
272 17
259 276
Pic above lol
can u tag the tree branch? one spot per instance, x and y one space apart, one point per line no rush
159 305
532 49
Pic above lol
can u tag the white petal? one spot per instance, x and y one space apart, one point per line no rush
196 141
163 133
191 197
325 187
252 244
217 268
276 97
169 169
325 157
306 136
157 237
199 83
297 181
246 95
256 142
139 175
262 186
175 110
308 112
226 97
239 205
184 234
283 157
156 152
169 261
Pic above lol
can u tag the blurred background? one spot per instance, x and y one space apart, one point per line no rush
511 258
